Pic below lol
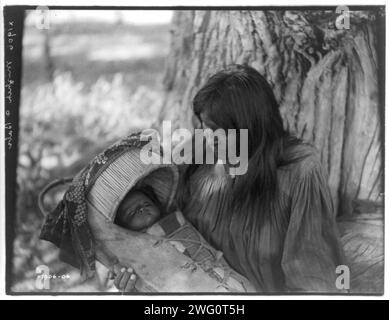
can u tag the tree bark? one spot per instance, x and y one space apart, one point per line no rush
325 80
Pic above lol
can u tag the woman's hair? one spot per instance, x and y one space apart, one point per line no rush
239 97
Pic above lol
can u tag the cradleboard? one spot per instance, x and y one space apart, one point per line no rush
159 264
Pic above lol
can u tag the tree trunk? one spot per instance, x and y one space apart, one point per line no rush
49 65
325 79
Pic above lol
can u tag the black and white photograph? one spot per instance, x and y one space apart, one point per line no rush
194 150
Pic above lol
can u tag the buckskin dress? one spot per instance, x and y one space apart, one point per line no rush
296 249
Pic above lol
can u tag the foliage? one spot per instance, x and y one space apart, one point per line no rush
62 126
84 85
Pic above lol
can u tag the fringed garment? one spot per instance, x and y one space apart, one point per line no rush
296 248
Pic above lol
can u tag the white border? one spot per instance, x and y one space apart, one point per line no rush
170 3
148 3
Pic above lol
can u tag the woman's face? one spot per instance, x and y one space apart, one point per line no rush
137 212
203 122
218 143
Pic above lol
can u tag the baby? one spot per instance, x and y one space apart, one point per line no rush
139 209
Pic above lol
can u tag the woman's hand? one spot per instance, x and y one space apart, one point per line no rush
124 278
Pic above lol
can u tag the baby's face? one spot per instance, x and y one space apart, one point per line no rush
137 211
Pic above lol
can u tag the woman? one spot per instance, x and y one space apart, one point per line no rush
276 223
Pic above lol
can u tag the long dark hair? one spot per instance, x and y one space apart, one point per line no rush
239 97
